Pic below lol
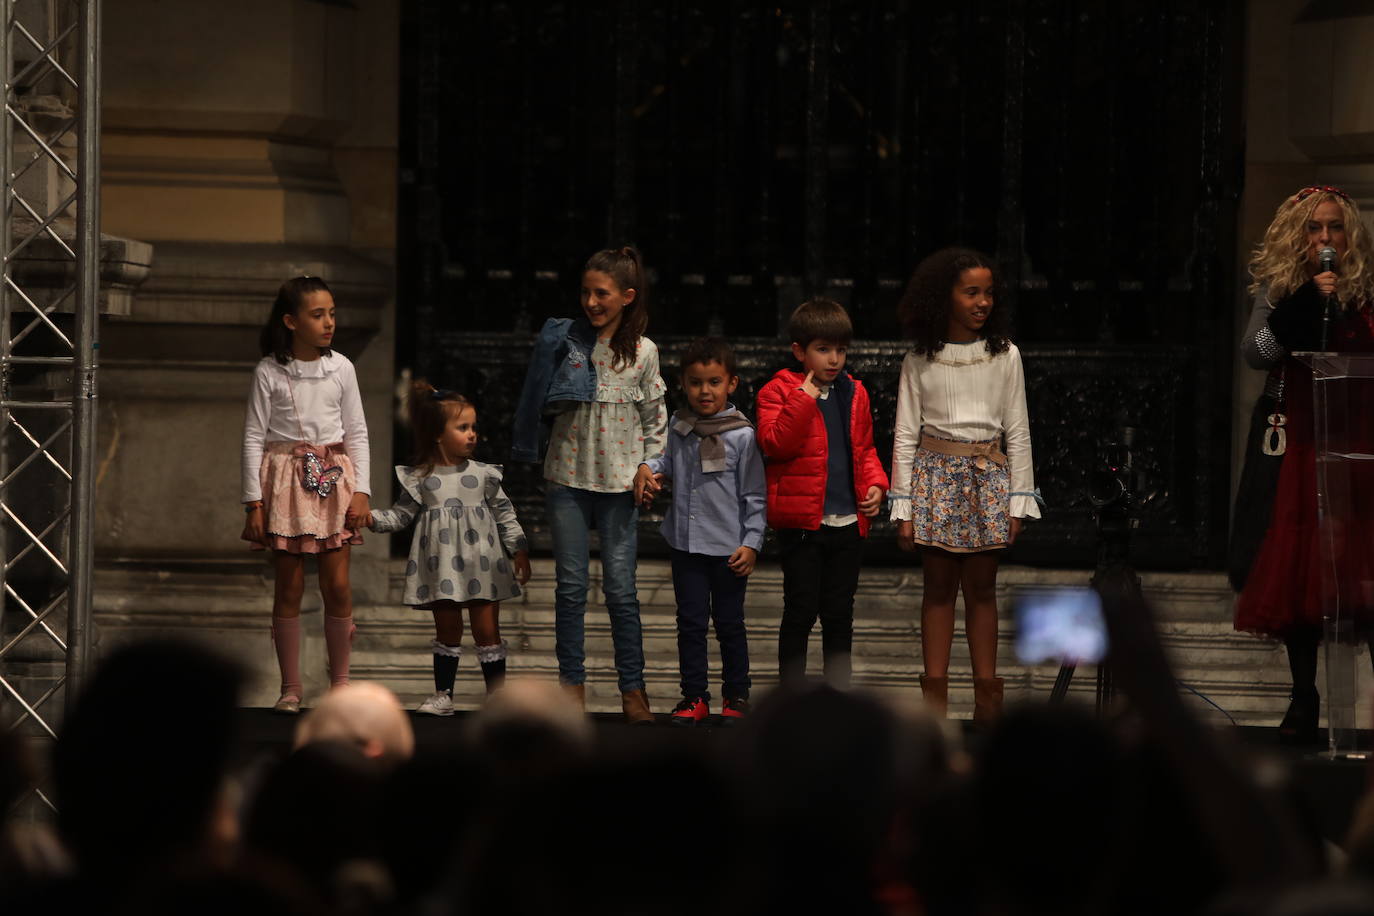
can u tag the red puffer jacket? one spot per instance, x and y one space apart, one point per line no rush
792 436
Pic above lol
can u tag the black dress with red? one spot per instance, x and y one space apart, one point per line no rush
1280 582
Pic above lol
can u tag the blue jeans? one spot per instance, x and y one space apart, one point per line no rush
572 513
707 591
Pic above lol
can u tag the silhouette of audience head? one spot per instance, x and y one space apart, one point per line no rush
1058 768
826 774
318 812
141 762
528 724
365 715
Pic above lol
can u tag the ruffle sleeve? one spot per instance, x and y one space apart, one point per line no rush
410 482
648 389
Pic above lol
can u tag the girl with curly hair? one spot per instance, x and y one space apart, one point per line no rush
1299 305
957 496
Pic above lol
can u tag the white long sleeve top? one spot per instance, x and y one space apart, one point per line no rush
325 391
964 394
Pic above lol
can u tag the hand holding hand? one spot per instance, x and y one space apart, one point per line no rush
359 513
871 503
522 566
647 485
742 561
1326 282
809 386
906 536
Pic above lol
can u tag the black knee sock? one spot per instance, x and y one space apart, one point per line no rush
445 666
493 659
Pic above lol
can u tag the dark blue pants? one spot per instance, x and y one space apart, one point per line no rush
708 591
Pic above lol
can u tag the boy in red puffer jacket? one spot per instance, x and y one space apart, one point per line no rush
815 427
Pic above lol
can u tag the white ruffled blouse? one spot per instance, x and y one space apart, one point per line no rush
598 446
325 391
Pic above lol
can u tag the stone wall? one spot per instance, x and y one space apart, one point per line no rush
248 143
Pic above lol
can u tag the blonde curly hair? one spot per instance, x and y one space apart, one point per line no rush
1280 261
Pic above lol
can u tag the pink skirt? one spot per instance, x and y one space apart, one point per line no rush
299 519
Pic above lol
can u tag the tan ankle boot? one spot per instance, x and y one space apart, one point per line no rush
935 691
578 692
987 699
636 706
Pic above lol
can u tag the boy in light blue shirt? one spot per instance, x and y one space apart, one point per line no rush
714 526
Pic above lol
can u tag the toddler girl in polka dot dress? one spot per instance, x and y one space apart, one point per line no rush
468 549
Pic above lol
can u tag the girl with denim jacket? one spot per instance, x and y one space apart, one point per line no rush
598 376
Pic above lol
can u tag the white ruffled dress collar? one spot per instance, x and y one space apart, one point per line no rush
315 368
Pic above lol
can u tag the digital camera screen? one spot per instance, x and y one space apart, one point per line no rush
1060 625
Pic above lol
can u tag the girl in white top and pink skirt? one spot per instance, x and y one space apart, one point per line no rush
305 473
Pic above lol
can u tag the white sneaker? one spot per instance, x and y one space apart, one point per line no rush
441 704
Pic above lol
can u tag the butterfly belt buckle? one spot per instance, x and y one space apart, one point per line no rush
319 478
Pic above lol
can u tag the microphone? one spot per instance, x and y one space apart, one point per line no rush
1326 257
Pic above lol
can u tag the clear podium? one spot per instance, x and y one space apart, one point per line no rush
1343 428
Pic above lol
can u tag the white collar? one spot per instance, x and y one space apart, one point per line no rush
315 368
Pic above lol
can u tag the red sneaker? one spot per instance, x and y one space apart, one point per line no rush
690 711
732 710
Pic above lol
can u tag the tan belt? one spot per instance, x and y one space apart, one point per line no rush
987 450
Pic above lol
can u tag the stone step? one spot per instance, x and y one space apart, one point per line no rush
228 604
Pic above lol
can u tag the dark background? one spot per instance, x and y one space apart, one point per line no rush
760 153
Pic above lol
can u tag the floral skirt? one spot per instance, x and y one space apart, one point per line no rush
298 519
960 502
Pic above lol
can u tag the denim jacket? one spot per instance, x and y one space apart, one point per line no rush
560 371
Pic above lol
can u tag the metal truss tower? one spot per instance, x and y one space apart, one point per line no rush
50 239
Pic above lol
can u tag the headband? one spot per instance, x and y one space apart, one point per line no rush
1315 189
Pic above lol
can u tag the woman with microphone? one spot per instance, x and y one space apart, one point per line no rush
1313 282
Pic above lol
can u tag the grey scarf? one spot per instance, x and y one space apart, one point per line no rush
709 429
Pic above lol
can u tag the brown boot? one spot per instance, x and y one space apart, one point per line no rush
636 706
987 699
578 693
935 691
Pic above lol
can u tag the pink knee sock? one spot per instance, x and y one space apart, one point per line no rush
286 635
338 644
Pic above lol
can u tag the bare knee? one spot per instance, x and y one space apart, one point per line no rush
486 631
488 635
980 596
448 623
289 587
336 595
289 592
980 585
939 586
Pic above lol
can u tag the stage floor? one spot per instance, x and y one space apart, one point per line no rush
1330 788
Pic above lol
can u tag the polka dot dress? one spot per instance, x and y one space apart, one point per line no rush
465 531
